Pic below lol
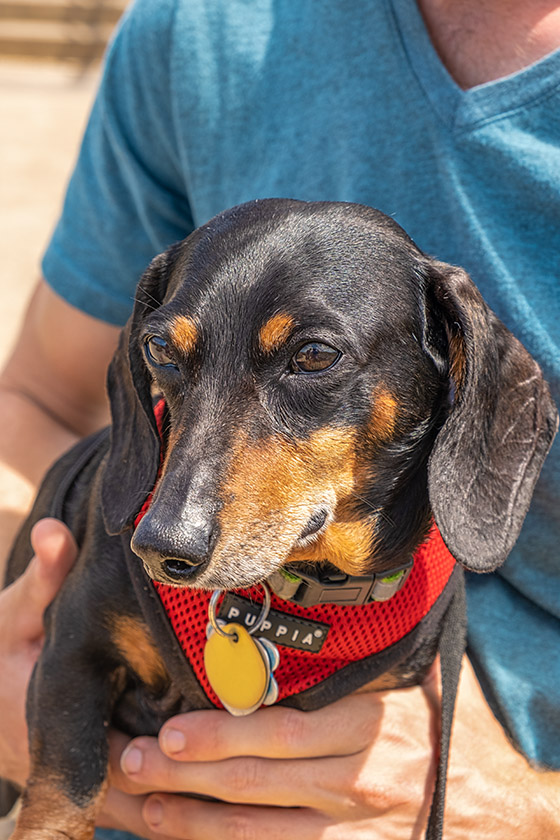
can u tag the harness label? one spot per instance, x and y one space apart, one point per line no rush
278 627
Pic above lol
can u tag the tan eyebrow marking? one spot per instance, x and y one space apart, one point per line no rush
384 416
184 333
276 330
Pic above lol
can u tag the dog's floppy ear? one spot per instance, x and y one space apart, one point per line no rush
132 463
489 452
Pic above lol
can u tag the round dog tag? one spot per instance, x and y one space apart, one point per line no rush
237 669
270 651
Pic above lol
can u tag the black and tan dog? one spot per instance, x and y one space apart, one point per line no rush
329 390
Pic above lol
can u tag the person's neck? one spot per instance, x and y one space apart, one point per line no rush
482 40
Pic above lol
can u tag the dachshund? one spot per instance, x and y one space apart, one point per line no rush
329 392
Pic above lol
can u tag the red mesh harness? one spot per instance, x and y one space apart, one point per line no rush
356 632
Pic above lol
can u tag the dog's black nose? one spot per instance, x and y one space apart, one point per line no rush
172 553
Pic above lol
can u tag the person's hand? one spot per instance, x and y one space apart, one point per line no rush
362 767
21 635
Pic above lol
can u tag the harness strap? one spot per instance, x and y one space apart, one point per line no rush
452 646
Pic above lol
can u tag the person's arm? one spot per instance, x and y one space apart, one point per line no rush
52 391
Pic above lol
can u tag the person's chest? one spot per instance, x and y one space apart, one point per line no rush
480 42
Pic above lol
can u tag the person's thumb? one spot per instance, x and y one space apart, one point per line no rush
55 553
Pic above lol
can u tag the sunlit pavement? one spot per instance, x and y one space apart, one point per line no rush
43 108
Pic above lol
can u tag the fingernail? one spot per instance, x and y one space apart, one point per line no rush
131 760
173 741
153 812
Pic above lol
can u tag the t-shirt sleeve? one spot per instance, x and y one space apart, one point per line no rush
127 198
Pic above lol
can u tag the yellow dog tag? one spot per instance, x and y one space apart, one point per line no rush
237 668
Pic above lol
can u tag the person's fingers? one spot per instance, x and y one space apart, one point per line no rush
125 813
278 732
334 786
119 779
320 767
55 552
300 782
214 736
24 601
181 817
209 753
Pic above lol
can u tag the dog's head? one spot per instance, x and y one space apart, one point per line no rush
329 389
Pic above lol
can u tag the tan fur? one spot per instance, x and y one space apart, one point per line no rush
458 360
275 332
135 642
274 487
184 333
383 416
348 545
48 814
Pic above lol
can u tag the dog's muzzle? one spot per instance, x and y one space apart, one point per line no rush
171 555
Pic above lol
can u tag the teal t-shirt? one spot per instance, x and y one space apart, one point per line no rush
208 103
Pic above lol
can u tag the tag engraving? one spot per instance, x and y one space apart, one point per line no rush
278 627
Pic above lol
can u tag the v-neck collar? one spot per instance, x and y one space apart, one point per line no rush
462 110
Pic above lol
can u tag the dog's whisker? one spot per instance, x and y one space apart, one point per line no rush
153 306
148 294
376 510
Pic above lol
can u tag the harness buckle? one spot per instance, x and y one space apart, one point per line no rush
325 584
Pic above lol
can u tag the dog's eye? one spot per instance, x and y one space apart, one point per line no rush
314 357
159 352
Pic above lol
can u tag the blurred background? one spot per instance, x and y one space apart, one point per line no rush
50 59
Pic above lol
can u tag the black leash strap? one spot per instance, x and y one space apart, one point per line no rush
452 645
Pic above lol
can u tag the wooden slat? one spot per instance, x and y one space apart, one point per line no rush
107 11
57 29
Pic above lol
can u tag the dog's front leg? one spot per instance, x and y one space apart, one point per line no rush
68 707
